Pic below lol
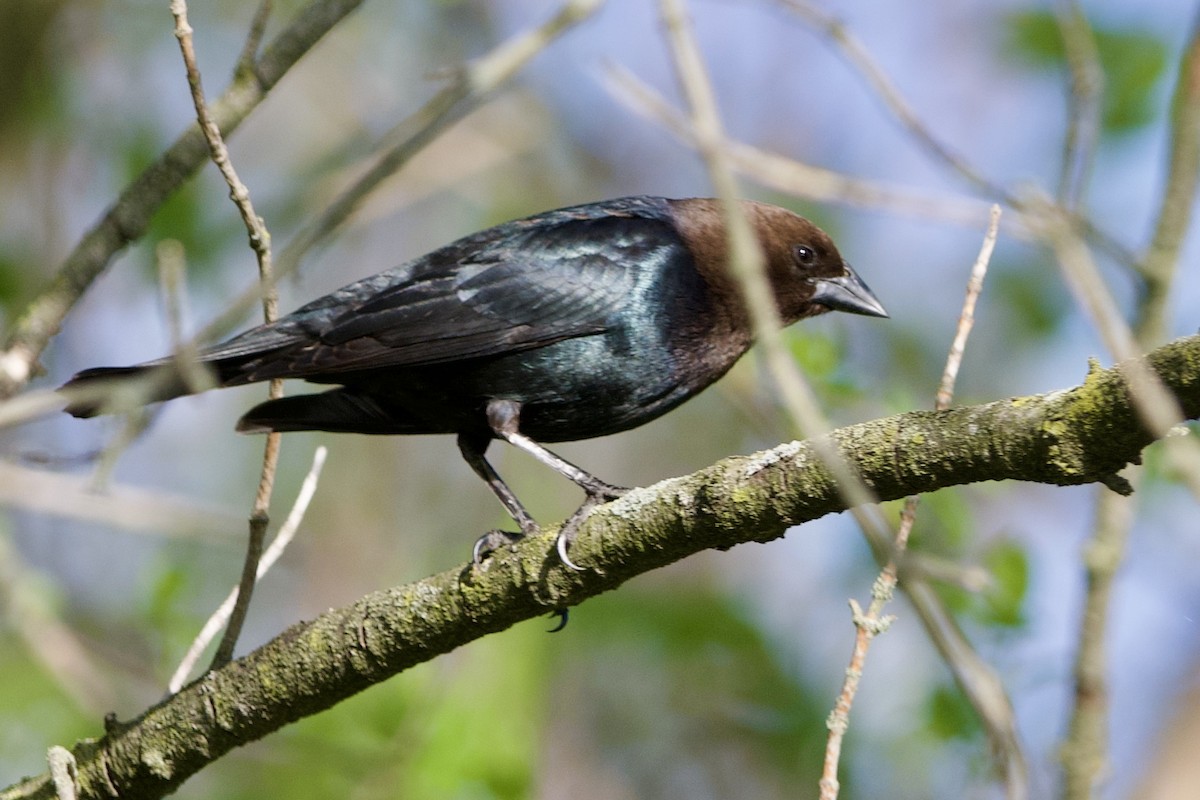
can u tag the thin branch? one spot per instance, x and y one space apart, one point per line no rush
796 177
260 242
282 539
873 621
1086 89
1067 437
127 507
798 397
1084 751
1160 262
254 36
857 55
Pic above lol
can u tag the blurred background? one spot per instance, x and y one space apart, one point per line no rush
711 678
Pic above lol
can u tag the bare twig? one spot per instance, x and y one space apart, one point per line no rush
172 270
873 621
282 539
1084 752
798 397
966 320
137 418
260 242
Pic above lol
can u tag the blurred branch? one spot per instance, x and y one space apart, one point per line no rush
1067 437
857 55
470 84
1085 750
254 36
796 177
126 507
26 607
746 264
127 219
1085 94
1160 262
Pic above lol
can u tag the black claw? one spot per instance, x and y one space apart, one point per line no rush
492 541
561 544
562 615
597 495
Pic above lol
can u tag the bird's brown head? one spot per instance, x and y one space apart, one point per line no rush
806 271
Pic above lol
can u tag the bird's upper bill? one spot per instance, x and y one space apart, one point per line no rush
847 293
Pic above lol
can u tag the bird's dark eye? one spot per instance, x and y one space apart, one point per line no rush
805 256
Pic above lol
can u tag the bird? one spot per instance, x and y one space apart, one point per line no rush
565 325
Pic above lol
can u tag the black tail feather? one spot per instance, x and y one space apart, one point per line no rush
105 389
336 411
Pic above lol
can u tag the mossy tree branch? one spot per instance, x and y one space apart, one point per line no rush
1081 435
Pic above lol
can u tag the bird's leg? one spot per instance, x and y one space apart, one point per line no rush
473 448
504 418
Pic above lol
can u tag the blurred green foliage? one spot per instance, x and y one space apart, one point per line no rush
34 711
675 683
948 715
1008 565
30 50
465 726
1133 61
1033 299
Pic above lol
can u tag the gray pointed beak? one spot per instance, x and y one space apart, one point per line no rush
847 293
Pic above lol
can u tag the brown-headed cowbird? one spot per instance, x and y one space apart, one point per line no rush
566 325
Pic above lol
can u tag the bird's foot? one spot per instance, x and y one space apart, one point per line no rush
599 492
597 495
492 541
